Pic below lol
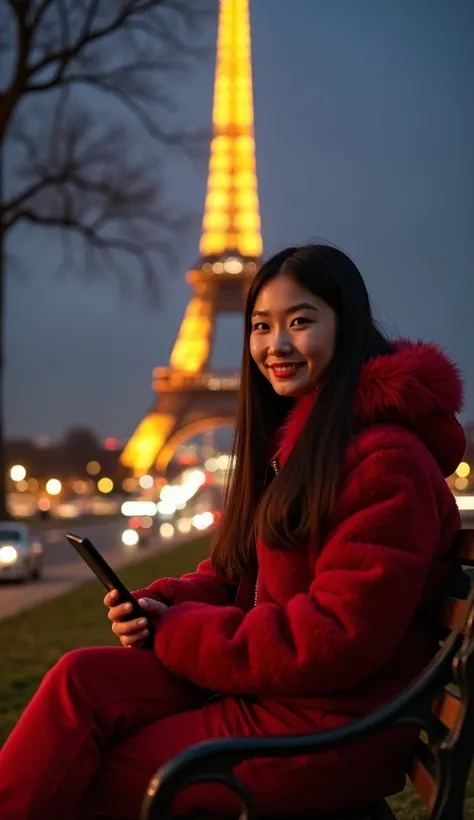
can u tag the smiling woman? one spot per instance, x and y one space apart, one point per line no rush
309 330
293 335
296 623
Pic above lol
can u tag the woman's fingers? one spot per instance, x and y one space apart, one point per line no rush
111 598
152 606
134 640
119 612
130 633
129 627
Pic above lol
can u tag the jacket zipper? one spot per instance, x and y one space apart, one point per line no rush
274 465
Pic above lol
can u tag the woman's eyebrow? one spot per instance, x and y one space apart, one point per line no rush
292 309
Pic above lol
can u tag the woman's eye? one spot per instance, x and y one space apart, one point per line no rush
299 321
260 326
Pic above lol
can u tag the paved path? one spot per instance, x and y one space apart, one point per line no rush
64 569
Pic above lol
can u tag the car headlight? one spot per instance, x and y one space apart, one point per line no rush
8 555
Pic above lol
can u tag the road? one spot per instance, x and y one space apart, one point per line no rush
57 551
64 569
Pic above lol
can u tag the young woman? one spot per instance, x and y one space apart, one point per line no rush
316 604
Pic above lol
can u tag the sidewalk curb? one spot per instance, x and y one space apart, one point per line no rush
56 584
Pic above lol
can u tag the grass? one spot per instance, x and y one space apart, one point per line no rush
33 641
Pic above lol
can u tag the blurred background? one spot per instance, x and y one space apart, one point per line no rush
141 179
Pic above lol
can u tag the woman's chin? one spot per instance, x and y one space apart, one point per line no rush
292 387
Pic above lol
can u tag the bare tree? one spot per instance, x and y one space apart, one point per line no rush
73 165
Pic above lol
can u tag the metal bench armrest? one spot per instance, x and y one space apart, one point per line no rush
214 760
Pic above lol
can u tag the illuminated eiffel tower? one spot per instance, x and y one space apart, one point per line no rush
191 399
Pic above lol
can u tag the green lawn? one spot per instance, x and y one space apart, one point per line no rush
32 642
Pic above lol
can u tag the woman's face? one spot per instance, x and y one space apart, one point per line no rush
293 336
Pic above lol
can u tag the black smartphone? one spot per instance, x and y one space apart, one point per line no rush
108 578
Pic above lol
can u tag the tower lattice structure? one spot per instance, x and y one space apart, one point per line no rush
190 398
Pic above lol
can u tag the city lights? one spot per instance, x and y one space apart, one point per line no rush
105 485
463 469
211 464
53 486
79 487
18 472
175 496
465 503
167 530
93 468
130 538
139 508
183 525
203 520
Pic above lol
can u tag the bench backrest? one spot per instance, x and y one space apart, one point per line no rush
446 749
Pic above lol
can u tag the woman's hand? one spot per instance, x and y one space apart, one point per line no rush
131 633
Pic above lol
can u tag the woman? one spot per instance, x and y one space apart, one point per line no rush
316 604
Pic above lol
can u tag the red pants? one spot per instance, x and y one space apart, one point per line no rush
105 719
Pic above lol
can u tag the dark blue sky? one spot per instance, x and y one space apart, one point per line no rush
364 127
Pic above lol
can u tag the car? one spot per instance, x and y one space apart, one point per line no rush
21 556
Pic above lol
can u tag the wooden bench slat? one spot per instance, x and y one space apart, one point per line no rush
447 708
466 546
423 781
454 613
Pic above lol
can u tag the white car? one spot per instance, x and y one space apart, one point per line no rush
21 557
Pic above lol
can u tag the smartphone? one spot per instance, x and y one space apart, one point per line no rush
108 578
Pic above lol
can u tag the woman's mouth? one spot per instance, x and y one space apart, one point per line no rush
286 370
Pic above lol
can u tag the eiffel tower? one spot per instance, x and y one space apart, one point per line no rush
190 398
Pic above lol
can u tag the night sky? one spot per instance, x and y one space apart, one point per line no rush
365 133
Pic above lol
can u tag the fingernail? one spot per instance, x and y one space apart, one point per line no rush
127 607
142 622
143 602
145 633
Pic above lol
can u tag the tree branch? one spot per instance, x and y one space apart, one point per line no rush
114 208
40 13
100 249
131 9
71 170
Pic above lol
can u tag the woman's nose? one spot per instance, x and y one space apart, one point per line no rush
280 344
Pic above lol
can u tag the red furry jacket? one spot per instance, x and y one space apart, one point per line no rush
346 627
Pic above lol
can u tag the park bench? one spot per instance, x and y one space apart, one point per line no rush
440 701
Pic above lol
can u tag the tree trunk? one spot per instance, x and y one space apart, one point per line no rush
3 496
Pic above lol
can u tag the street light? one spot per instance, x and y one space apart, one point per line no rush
463 469
17 472
105 485
53 486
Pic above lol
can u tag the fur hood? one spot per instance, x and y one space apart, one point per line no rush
416 386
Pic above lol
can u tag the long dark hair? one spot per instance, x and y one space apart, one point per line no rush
292 508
